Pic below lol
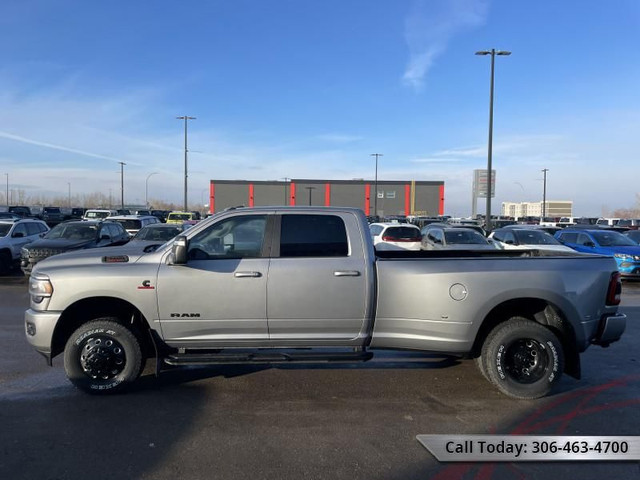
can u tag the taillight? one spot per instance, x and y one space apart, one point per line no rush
615 289
395 239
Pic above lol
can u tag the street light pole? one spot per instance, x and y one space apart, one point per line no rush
493 52
186 118
7 175
122 164
69 184
146 189
544 194
375 198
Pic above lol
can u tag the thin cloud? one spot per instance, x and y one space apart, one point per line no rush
339 138
429 29
18 138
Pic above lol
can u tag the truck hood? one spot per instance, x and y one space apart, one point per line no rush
125 254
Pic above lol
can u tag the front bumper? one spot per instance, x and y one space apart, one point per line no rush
610 329
38 328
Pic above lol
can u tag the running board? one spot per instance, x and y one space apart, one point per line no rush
271 357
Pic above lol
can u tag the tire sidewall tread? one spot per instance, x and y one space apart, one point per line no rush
495 347
130 343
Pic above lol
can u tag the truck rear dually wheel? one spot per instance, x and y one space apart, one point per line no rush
103 356
523 358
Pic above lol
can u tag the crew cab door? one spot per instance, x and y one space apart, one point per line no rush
319 290
219 296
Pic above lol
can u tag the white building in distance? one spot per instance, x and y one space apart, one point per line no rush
553 208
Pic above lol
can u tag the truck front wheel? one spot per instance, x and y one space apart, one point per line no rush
523 358
102 356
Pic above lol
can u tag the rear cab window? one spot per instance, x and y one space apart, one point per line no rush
313 236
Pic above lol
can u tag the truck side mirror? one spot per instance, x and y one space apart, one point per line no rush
179 250
589 244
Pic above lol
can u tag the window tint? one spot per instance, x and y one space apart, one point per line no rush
33 228
20 228
569 237
376 230
401 233
237 237
461 236
313 236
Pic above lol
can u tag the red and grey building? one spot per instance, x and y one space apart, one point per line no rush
394 197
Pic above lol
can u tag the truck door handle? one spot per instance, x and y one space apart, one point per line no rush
346 273
247 274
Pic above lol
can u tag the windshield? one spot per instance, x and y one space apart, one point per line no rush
532 237
464 237
4 229
72 232
157 234
612 239
51 210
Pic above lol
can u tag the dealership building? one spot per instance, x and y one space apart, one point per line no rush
408 197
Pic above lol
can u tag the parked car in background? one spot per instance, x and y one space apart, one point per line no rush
72 235
634 235
605 242
525 239
395 236
156 235
449 237
20 210
631 223
181 217
15 234
133 223
98 214
76 213
10 216
160 214
51 216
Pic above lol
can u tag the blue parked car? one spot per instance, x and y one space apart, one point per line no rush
605 242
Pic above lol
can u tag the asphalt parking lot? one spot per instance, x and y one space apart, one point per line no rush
355 421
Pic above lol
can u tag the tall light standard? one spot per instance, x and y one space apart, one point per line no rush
122 164
146 189
493 52
544 193
186 118
69 185
7 175
375 198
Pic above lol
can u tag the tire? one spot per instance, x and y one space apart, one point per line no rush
523 358
103 357
481 367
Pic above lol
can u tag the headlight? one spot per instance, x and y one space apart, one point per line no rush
623 256
24 252
40 288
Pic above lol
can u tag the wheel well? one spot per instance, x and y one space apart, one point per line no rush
91 308
539 311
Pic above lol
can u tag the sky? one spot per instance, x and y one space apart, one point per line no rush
310 88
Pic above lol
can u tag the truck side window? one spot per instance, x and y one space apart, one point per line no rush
236 237
313 236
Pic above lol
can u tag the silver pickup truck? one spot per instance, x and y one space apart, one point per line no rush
297 284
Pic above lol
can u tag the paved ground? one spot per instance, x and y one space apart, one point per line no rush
312 422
